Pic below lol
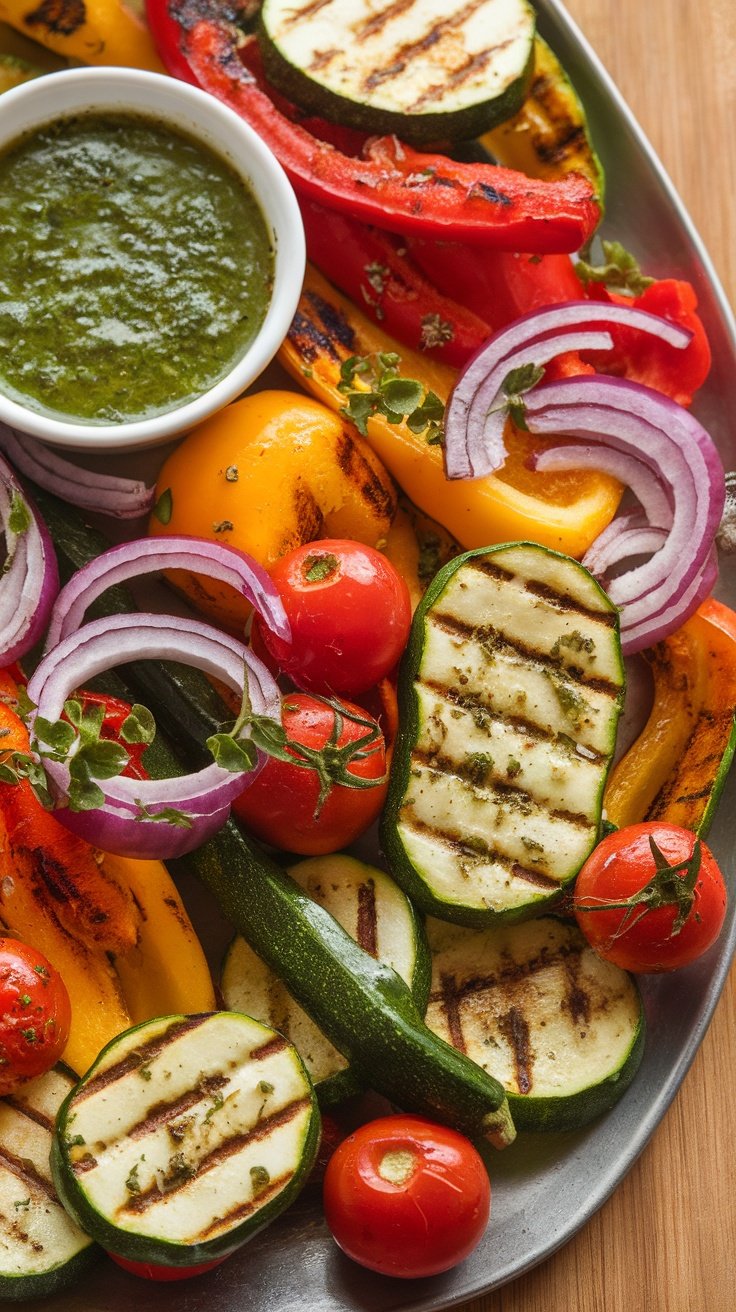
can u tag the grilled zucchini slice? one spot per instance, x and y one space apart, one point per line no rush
186 1137
511 690
375 912
41 1249
534 1006
427 70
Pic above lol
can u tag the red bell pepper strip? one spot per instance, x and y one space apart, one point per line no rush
643 359
372 268
480 204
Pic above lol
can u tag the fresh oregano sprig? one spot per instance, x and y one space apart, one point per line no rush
385 392
620 273
331 763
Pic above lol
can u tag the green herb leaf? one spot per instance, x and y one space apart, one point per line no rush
167 815
319 568
56 734
403 396
620 272
232 755
260 1179
164 507
19 518
139 726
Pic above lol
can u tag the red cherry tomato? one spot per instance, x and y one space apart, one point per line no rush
147 1270
406 1197
350 616
673 906
35 1014
282 805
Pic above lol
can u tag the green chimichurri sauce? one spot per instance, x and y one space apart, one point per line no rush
135 269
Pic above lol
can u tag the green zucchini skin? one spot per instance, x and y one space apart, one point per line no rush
336 882
56 1269
563 1030
378 1026
400 862
316 91
157 1248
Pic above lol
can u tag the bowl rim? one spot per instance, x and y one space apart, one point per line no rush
214 125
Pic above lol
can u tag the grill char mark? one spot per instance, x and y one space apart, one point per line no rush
239 1213
32 1113
469 852
140 1057
515 1029
506 792
430 38
140 1203
367 918
473 64
544 590
26 1171
163 1112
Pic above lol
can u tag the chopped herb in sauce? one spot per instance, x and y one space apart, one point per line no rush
137 268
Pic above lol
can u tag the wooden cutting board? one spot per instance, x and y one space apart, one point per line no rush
666 1240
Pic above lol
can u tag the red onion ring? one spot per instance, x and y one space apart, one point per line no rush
147 555
651 430
637 540
643 480
123 498
474 443
29 581
205 796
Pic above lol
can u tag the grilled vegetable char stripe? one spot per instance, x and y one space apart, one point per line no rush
26 1172
139 1058
141 1202
513 684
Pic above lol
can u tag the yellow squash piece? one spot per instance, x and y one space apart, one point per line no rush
677 767
266 474
549 136
166 972
563 511
93 31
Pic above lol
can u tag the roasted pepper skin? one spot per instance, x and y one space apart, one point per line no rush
372 268
393 188
516 504
95 31
677 767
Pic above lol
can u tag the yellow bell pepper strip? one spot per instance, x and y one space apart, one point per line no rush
166 972
565 512
677 767
94 31
549 136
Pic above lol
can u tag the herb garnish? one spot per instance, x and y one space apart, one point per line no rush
385 392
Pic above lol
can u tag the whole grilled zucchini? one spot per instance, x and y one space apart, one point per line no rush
511 689
375 912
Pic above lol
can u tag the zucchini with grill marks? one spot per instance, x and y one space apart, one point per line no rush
427 70
375 912
511 689
41 1249
186 1137
533 1005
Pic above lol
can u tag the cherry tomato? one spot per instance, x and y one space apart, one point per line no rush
35 1014
672 891
147 1270
406 1197
350 616
282 806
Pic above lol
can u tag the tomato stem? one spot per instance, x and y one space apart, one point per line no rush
397 1166
670 885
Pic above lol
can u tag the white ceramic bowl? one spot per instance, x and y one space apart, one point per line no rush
184 107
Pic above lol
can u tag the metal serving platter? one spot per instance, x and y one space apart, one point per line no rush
545 1187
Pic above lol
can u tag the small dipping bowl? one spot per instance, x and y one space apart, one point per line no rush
190 112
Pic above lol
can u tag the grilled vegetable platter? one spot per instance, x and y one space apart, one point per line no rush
365 754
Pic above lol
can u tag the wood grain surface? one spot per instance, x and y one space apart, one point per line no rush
666 1240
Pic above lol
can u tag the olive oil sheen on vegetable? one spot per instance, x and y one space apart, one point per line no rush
135 269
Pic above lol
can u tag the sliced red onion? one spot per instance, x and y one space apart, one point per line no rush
639 540
474 442
661 594
203 797
644 482
146 555
29 581
123 498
